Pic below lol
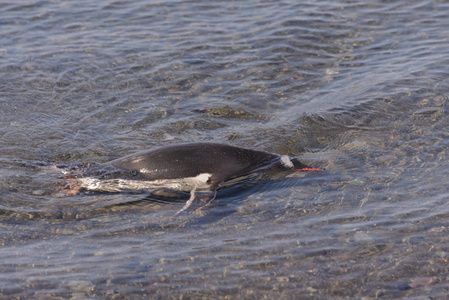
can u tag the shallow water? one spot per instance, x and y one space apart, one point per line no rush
357 88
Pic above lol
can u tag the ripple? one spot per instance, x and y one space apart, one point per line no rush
357 88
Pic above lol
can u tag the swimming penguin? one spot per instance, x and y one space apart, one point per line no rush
198 168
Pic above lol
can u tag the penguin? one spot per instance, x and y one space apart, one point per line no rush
198 168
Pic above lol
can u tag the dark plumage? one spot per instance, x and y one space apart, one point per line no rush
190 160
198 168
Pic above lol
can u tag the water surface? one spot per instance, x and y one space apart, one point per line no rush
357 88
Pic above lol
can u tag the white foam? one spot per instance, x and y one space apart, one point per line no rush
144 170
138 159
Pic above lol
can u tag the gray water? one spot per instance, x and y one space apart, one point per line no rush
359 88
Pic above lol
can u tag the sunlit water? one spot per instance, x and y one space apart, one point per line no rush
357 87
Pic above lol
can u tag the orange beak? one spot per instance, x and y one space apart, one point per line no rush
308 169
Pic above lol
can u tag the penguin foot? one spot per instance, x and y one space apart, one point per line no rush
197 201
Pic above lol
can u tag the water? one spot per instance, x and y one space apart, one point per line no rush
359 88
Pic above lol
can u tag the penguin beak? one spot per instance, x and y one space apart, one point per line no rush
299 166
308 169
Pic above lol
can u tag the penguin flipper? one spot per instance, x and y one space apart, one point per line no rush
198 199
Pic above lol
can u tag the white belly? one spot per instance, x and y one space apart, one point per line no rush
119 185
